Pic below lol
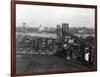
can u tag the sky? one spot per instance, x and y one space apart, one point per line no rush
50 16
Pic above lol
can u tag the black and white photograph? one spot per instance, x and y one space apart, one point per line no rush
54 38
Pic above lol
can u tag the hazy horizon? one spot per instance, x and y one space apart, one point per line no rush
36 15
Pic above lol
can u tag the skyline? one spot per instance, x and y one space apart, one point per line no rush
50 26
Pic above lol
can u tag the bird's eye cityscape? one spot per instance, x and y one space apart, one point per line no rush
44 48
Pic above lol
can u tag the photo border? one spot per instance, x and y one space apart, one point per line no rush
13 36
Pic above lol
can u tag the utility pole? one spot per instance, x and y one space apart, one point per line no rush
24 28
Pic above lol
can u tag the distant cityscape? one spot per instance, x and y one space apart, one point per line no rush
78 30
